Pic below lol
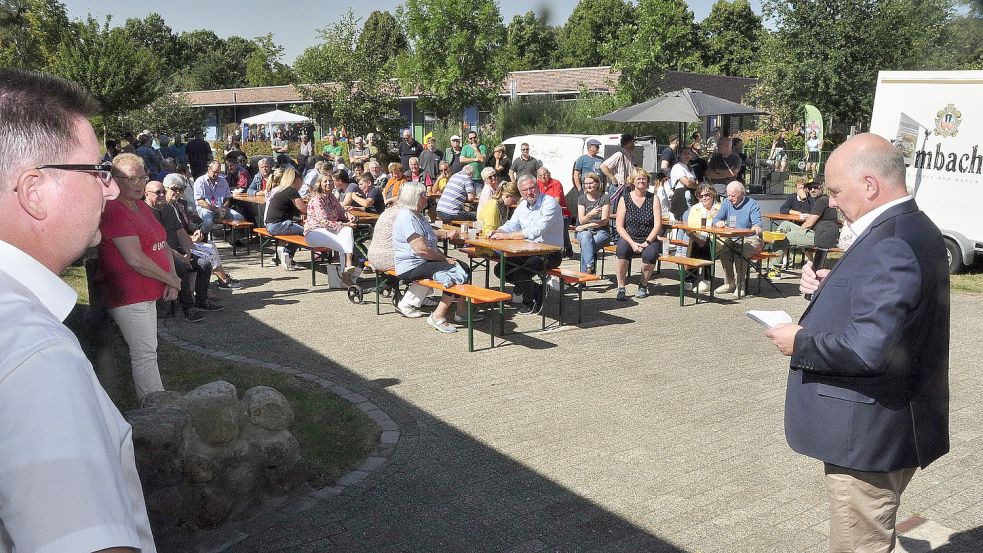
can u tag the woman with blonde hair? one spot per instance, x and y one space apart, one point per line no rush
500 162
390 193
282 205
328 225
496 209
490 188
638 221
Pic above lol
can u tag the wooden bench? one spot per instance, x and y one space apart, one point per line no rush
755 263
687 266
266 238
475 296
234 225
477 259
575 279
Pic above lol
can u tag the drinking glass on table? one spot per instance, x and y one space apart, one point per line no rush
732 221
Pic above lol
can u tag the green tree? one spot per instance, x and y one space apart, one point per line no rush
595 33
359 96
531 42
664 39
458 57
155 35
119 72
381 39
170 114
208 62
263 65
30 32
731 39
828 53
967 37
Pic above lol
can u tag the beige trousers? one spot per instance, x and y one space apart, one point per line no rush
138 324
864 508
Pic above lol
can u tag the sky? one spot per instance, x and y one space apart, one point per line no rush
252 18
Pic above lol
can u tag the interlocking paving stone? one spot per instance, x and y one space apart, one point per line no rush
624 436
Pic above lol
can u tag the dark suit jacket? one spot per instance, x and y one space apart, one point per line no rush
868 387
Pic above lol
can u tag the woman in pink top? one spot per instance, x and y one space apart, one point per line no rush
328 225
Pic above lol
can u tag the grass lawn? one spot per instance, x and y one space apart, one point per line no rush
969 281
334 436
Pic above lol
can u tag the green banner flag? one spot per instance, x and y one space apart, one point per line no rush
813 122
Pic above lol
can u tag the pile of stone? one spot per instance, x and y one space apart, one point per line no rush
208 457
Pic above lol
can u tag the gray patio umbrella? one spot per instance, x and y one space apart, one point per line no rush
681 106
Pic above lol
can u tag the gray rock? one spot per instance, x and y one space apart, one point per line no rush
158 399
211 506
164 506
199 469
241 479
267 408
214 412
157 428
241 450
286 477
275 448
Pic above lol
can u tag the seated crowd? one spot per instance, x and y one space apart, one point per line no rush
320 198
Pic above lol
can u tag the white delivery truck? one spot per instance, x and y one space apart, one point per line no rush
936 118
558 152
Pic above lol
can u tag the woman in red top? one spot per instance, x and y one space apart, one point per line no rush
135 270
552 187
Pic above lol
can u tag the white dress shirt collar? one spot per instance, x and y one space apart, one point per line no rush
860 225
56 296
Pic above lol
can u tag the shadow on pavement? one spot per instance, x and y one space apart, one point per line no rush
441 489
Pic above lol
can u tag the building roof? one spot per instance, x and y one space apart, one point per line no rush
721 86
546 81
559 81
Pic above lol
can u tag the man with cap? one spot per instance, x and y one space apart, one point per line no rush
452 155
358 154
588 163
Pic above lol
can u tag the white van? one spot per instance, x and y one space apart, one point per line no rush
936 118
558 152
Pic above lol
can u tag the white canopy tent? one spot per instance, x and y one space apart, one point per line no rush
274 117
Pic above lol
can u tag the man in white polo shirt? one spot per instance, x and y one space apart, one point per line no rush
68 480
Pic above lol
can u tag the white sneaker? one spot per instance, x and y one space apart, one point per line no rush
703 287
724 289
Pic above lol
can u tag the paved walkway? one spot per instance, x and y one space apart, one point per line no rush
651 428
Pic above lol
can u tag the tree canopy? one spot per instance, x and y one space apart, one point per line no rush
362 96
30 32
664 39
731 38
381 39
114 68
828 53
458 55
596 33
263 65
531 43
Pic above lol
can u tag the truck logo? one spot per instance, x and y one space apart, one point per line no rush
947 121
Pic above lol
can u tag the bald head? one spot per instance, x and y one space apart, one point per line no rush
735 192
864 173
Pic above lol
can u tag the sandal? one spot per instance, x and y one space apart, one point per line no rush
441 325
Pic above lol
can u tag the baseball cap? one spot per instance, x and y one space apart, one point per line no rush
593 142
455 137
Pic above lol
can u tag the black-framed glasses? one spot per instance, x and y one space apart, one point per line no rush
139 179
157 192
102 171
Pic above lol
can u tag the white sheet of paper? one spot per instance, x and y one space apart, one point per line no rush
769 318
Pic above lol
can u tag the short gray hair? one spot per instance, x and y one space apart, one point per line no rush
487 172
409 194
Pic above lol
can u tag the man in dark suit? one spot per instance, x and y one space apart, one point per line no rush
868 388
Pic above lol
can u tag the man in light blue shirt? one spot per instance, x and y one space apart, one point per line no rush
739 211
538 219
213 198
